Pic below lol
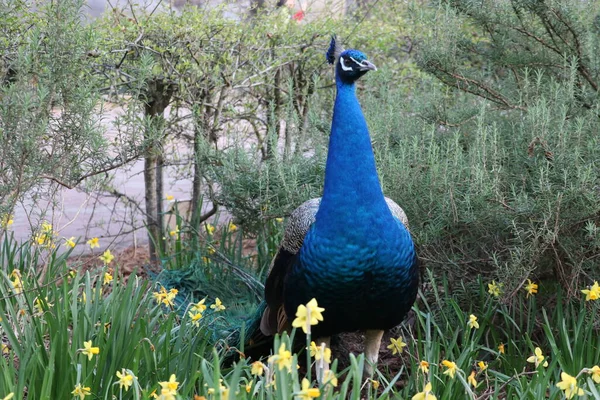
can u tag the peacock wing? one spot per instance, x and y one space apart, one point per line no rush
397 212
274 319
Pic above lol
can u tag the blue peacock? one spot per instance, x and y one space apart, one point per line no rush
350 249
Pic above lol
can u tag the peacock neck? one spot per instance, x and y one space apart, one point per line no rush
352 193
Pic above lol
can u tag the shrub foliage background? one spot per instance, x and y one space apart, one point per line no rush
487 136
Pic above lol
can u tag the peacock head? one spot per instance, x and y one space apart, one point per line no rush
349 64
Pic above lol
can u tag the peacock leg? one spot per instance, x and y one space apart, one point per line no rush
322 365
372 344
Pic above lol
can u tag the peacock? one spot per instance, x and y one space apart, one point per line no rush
351 249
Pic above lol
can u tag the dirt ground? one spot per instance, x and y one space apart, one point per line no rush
130 260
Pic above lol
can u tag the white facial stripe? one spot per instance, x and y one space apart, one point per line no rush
359 63
344 65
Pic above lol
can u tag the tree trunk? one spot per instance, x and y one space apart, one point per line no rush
160 195
197 181
156 99
154 234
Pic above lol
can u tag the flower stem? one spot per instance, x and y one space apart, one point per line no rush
308 335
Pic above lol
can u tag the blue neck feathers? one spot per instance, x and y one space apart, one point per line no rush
352 196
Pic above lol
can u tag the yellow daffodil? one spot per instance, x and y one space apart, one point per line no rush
46 227
501 348
199 307
81 391
170 197
71 275
283 358
171 296
232 227
88 350
125 379
482 366
45 237
94 242
195 318
39 304
39 239
330 378
5 349
452 368
84 296
158 296
593 293
495 289
595 373
473 322
6 221
70 242
211 250
374 383
169 387
531 288
174 232
537 358
223 391
108 278
424 366
210 229
471 379
106 257
16 281
569 385
425 394
307 315
249 387
165 395
320 352
257 368
164 297
396 345
218 306
307 392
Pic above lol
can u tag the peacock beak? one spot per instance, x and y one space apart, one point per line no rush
367 65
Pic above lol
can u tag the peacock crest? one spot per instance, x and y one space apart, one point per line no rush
334 51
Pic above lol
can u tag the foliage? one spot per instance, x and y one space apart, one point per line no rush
48 101
502 182
495 50
46 320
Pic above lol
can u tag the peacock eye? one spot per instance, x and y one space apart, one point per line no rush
346 63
